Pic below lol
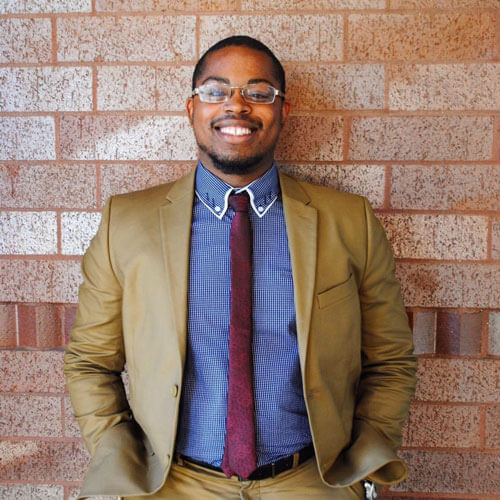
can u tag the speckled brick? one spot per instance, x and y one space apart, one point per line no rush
138 38
318 5
291 37
31 492
424 331
444 86
164 5
30 416
339 86
494 333
445 187
45 89
442 426
437 236
451 472
447 332
310 138
470 333
43 461
450 285
31 371
127 138
39 280
492 427
25 40
69 314
40 325
47 186
365 180
28 233
71 428
44 6
495 236
27 138
173 87
443 4
458 380
8 328
422 138
74 492
117 179
451 36
78 228
126 88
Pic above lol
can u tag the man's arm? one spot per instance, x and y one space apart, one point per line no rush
95 355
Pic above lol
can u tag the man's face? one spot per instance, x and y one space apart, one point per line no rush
236 137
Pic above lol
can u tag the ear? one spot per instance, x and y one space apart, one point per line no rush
189 109
285 109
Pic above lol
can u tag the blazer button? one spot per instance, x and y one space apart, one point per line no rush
174 390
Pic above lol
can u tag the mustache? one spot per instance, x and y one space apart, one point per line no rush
251 121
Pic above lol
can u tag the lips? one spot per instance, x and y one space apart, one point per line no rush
236 131
234 128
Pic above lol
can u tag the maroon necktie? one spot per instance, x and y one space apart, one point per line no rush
239 453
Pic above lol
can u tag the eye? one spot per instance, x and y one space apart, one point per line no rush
259 93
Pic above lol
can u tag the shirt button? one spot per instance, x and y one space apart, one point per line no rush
260 209
217 208
174 390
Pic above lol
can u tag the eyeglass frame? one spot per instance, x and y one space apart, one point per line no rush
277 93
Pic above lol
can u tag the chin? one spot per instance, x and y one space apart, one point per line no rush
235 165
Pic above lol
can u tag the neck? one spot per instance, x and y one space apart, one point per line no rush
238 180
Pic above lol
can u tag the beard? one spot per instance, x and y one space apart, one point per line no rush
234 165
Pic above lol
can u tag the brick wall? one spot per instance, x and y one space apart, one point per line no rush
398 100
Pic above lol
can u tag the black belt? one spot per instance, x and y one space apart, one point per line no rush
268 470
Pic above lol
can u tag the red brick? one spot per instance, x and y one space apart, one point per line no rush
8 326
424 331
458 380
318 5
74 492
422 138
447 333
69 313
28 416
443 4
495 238
31 492
470 333
494 333
27 138
310 138
136 38
444 86
332 87
450 285
77 229
40 326
493 427
117 179
43 461
291 37
448 472
421 36
71 428
164 5
437 236
442 426
366 180
46 89
35 6
127 138
33 40
173 85
39 281
44 186
446 187
31 371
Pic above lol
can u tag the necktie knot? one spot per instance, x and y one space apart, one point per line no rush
239 202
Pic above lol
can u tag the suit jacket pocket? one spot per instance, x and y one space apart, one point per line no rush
337 293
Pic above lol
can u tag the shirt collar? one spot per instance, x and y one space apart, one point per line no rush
214 192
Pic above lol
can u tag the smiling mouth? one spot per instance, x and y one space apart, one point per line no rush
235 131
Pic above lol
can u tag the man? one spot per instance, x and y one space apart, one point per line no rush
258 316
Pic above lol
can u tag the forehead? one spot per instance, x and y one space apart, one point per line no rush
238 65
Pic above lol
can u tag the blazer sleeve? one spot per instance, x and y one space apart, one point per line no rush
388 379
95 356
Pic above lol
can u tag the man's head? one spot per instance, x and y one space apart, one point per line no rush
237 136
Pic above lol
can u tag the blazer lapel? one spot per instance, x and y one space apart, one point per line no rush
301 226
175 220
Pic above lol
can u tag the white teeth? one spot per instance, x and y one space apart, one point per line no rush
235 131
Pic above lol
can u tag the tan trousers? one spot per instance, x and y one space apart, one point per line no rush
192 482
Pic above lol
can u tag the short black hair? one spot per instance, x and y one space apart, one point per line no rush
241 41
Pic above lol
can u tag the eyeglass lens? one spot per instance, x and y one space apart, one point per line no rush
257 93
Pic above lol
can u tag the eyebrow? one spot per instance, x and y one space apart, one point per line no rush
226 80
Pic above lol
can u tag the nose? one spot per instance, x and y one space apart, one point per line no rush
236 104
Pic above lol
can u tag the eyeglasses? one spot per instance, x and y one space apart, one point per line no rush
253 93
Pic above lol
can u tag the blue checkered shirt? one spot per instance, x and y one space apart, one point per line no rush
282 427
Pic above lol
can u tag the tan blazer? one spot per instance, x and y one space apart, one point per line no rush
355 346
